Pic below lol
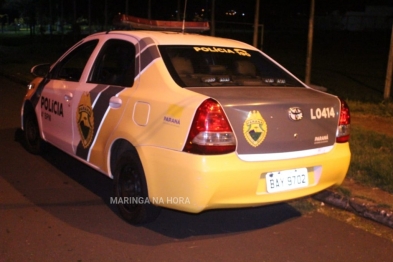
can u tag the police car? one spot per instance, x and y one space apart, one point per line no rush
187 122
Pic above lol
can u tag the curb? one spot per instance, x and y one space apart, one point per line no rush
372 212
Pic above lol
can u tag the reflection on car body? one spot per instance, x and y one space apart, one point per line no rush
187 122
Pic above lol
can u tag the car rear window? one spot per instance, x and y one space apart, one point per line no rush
193 66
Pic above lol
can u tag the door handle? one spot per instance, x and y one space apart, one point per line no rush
68 97
115 102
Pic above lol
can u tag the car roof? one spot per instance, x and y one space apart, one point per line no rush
178 38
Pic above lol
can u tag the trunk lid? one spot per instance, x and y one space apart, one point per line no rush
278 122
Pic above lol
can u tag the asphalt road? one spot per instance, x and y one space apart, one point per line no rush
53 208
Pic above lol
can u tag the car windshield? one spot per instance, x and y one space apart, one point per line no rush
193 66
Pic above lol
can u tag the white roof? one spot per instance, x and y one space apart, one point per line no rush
178 38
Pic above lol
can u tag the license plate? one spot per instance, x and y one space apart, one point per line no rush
286 180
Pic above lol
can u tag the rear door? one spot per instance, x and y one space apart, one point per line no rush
113 71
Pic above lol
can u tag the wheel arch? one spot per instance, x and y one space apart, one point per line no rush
131 184
118 147
27 107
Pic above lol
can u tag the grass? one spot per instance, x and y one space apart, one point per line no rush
345 192
303 205
372 162
383 108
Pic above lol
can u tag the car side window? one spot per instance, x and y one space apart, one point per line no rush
115 64
70 68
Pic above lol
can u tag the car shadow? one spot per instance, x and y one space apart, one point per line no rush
80 196
181 225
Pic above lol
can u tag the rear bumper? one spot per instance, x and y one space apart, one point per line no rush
194 183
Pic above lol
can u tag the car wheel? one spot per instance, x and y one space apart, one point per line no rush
131 190
32 138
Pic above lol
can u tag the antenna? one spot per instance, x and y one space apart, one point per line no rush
184 17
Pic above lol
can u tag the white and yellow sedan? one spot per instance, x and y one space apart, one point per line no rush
187 122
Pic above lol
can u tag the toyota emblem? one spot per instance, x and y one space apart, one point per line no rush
295 113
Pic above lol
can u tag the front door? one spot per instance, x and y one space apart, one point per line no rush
58 98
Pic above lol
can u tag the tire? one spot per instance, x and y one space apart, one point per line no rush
131 190
32 138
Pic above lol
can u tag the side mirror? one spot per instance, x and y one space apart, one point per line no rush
40 70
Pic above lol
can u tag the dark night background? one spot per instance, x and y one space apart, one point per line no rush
350 44
45 11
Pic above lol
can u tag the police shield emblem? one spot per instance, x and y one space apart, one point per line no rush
255 128
85 120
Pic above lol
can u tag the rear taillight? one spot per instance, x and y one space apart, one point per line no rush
344 123
210 132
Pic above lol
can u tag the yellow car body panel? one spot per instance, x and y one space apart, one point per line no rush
142 117
194 183
155 116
